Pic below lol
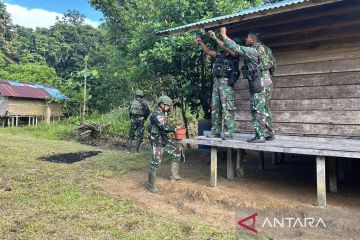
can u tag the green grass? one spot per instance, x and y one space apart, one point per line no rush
65 201
53 131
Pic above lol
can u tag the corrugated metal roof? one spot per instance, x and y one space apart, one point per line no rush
29 90
249 11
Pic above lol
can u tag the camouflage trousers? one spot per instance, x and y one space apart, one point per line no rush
222 107
137 126
260 112
157 151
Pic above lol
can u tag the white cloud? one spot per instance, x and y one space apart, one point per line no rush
33 18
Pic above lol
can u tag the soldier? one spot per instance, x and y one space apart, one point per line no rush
259 63
159 128
139 111
222 99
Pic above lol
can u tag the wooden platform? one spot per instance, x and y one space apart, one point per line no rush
319 147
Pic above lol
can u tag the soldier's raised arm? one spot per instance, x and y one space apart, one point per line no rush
237 48
221 44
206 50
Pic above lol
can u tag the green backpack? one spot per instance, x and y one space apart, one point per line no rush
267 59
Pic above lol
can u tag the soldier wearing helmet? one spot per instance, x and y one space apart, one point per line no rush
159 128
139 111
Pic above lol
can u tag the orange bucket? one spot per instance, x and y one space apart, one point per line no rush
180 133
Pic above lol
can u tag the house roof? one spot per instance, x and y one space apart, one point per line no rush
29 90
250 13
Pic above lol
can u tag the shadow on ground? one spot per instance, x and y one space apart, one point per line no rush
69 157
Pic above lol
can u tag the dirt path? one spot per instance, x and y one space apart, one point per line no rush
281 191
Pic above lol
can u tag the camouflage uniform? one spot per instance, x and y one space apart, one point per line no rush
159 140
260 101
159 128
139 112
222 107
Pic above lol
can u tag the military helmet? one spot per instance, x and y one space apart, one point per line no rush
165 100
139 93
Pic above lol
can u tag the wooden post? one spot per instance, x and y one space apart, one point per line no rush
213 168
17 121
36 120
48 114
29 120
8 122
230 167
274 157
341 169
240 162
261 160
12 121
332 175
321 181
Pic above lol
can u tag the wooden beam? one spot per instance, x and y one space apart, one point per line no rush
240 162
261 160
213 167
332 175
321 181
230 166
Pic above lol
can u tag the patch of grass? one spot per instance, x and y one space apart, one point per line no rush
64 201
52 131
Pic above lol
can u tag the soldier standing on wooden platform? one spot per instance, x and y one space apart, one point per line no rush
159 128
222 98
259 65
139 111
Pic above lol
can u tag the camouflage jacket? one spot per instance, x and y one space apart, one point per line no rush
252 59
139 109
159 127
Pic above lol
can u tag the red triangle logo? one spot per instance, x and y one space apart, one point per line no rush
251 228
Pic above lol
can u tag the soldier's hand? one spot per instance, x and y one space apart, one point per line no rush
198 40
212 34
223 32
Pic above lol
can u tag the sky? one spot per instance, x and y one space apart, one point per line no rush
43 13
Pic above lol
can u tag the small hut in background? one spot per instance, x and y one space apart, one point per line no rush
28 103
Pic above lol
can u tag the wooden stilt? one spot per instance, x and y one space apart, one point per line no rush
36 121
213 168
17 121
321 181
274 158
29 121
332 175
240 162
261 160
12 121
8 122
341 169
230 166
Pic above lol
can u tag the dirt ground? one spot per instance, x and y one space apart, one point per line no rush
286 190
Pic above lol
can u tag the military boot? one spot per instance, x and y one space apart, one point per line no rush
257 139
138 144
129 146
175 172
152 181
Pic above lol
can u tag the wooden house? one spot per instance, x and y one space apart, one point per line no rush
28 103
316 93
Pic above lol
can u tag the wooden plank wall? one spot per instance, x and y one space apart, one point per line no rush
316 85
3 105
32 107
